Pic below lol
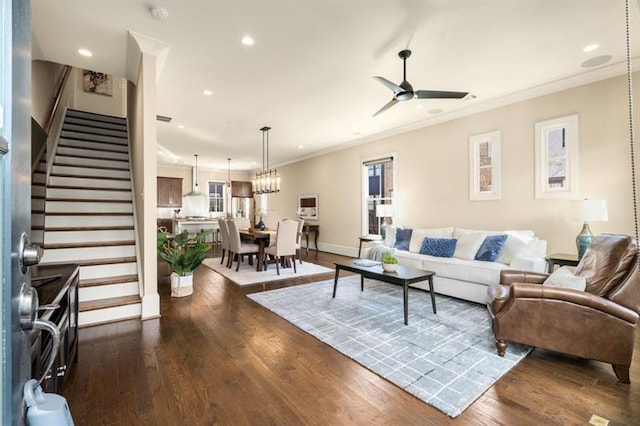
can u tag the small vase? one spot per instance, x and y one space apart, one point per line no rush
260 225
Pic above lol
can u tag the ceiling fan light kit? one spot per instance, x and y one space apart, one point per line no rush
404 91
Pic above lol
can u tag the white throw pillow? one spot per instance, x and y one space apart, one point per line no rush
468 245
564 277
418 235
513 248
390 238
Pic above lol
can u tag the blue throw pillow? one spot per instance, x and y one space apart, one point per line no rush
491 248
439 247
403 237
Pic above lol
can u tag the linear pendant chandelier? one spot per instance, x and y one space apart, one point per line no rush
267 181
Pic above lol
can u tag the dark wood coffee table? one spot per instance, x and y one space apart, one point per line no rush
403 276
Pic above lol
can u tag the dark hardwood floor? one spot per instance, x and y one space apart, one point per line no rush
216 357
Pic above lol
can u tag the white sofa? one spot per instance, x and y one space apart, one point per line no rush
461 275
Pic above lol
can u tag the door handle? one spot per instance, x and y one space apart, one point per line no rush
29 254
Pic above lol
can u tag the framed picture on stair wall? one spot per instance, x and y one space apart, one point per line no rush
484 166
97 82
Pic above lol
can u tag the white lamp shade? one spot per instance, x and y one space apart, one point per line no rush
384 210
593 211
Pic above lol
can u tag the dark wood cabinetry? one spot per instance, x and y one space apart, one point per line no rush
56 285
169 192
241 189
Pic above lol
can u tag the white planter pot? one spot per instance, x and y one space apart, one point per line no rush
389 267
181 285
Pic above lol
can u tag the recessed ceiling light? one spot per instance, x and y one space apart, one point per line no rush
85 52
300 146
590 47
419 106
595 61
207 92
248 40
180 126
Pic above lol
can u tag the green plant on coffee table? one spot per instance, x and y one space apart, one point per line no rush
389 258
183 253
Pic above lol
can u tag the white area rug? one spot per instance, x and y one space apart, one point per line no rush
248 275
446 359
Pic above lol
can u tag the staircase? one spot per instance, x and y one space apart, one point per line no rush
88 216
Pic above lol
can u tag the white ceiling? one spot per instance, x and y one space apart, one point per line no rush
308 76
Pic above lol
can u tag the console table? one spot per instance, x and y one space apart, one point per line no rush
561 259
308 229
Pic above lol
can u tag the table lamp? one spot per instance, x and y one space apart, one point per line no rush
589 211
383 211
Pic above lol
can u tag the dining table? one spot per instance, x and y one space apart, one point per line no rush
260 237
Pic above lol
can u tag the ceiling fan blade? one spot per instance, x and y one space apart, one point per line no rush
391 103
389 84
439 94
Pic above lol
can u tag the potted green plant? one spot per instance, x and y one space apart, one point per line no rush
184 254
389 262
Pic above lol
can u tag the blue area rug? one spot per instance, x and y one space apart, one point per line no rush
446 359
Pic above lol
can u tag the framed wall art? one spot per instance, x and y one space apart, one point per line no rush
97 82
484 166
308 207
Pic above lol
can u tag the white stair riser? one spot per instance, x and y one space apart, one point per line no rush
92 153
57 237
109 314
61 160
87 182
92 137
87 207
93 145
98 119
108 290
88 194
77 221
110 270
94 124
82 171
87 253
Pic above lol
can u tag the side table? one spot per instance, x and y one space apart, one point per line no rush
367 239
561 259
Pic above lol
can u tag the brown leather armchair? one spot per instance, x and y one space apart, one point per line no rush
599 323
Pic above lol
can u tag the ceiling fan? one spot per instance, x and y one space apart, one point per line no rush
405 91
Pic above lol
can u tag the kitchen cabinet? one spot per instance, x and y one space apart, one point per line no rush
241 189
169 192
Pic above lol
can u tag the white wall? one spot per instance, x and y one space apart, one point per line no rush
432 174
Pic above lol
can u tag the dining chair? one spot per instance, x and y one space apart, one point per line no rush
236 246
243 223
299 238
224 237
285 246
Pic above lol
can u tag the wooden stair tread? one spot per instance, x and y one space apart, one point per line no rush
108 261
89 244
108 280
112 302
84 166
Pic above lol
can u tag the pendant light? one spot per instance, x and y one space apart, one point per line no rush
195 204
267 181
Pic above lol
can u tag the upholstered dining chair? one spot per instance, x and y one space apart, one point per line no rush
236 246
299 238
243 222
224 237
599 323
285 246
